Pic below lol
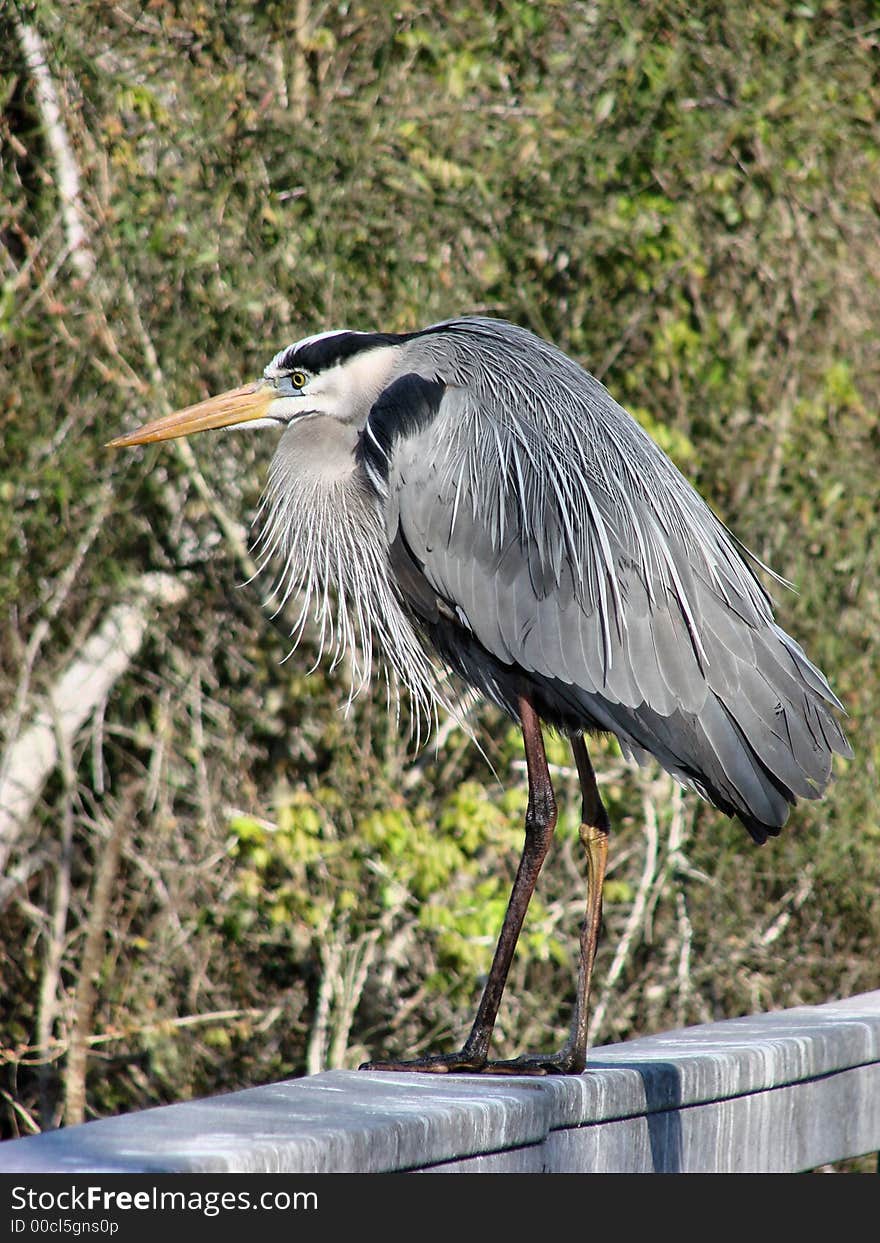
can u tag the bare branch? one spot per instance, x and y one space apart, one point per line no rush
66 170
86 990
86 682
56 934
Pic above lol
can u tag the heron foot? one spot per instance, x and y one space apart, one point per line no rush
566 1062
462 1063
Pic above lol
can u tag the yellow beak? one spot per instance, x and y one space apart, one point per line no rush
241 405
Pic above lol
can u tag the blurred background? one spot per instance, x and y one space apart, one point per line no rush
212 876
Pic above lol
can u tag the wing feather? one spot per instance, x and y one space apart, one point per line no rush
537 508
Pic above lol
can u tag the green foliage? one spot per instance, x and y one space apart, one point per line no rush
682 196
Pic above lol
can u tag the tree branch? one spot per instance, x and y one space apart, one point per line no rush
86 682
66 170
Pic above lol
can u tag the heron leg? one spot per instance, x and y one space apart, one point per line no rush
594 832
540 823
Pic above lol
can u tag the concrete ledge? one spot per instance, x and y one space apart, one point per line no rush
772 1092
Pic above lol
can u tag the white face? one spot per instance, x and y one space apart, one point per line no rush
344 391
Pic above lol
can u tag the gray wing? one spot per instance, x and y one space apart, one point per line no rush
567 546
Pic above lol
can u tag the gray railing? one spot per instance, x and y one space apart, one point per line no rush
785 1091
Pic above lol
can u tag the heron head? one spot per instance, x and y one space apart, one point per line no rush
335 374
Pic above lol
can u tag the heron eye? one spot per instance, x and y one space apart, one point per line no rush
298 379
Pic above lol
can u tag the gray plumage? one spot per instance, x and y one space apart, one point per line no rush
534 535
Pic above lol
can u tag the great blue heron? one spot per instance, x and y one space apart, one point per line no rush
469 491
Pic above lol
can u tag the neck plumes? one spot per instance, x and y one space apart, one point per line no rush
323 534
